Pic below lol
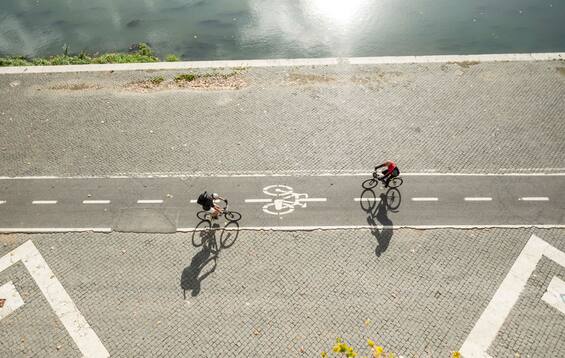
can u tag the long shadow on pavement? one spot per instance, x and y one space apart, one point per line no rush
204 262
377 215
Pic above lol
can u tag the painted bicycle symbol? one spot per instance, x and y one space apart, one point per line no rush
285 200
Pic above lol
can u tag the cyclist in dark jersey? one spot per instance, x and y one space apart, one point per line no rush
389 172
207 201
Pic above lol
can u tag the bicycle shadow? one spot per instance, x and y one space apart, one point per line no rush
377 210
204 262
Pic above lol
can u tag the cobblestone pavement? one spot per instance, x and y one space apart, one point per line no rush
458 117
273 294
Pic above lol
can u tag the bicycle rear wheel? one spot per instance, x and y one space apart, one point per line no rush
232 216
369 183
395 182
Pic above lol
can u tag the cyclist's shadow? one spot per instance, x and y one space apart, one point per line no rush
377 214
204 262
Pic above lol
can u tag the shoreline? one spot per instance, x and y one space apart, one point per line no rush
469 59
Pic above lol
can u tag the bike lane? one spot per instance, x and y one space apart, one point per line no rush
291 202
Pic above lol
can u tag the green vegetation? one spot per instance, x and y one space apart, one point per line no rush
188 77
345 350
171 58
142 53
157 80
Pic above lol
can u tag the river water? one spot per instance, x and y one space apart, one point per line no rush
247 29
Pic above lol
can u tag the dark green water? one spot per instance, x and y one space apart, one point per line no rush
246 29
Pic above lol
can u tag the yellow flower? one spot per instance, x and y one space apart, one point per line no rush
324 355
455 355
370 343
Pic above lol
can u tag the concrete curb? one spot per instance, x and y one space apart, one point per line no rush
184 65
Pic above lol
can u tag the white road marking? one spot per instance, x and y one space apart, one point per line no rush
145 201
44 202
363 227
542 56
485 330
296 173
85 338
535 198
478 198
96 201
2 202
193 201
555 294
296 228
54 229
258 200
312 200
13 299
425 199
366 199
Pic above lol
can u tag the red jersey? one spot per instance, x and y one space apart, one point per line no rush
390 165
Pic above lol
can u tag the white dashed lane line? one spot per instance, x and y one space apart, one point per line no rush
96 201
158 201
535 198
258 200
425 199
366 199
44 202
2 202
478 198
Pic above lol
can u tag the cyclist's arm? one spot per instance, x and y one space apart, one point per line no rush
379 166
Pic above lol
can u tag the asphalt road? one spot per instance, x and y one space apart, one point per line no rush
168 204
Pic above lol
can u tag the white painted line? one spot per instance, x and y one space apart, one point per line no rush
96 201
258 200
534 198
485 330
366 199
425 199
2 202
44 202
184 65
555 294
312 200
395 227
13 299
479 198
85 338
193 201
142 201
297 173
54 229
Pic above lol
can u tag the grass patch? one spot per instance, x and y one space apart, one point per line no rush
157 80
187 77
140 53
171 58
561 70
464 64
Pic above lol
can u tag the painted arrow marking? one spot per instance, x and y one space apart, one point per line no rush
87 341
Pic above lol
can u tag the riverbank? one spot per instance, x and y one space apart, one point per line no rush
139 53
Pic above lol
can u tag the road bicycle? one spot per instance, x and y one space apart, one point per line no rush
395 182
226 213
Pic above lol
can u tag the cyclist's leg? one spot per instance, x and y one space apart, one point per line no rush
213 212
393 174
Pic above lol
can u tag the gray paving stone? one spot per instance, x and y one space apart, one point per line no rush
272 293
488 117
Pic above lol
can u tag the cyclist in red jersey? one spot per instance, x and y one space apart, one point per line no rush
390 172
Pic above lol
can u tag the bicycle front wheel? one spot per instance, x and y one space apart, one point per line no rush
369 183
395 182
232 216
